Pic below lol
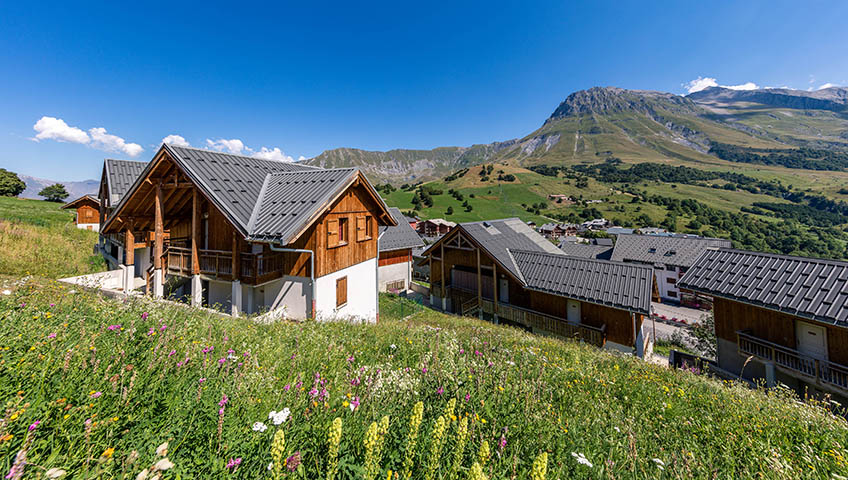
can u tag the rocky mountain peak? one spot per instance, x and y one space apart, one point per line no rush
602 100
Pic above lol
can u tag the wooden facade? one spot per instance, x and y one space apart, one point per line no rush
774 327
86 210
395 256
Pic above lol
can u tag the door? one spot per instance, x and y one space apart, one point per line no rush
573 311
811 340
503 290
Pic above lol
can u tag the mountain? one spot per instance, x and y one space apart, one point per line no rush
401 165
75 189
833 98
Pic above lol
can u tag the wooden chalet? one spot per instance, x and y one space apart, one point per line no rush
395 256
777 317
115 180
252 235
87 212
504 271
435 227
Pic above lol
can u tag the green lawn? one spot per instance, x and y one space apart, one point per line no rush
92 386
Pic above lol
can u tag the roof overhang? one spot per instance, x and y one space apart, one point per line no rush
73 203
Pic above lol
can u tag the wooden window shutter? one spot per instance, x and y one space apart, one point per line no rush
332 232
341 291
361 233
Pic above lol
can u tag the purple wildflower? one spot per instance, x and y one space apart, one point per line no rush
440 390
293 462
144 316
96 394
52 335
234 462
223 401
34 424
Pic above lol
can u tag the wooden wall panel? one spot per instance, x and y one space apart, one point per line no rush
88 213
353 203
395 256
220 230
618 322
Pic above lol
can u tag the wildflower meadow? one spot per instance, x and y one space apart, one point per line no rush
98 388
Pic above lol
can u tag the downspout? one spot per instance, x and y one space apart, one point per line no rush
377 278
311 267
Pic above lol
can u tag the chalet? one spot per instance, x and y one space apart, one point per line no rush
413 222
551 230
435 227
596 224
504 271
251 235
777 317
670 257
87 212
115 180
395 257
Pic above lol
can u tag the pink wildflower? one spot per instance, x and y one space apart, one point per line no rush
223 401
202 380
440 390
52 335
424 370
96 394
171 354
233 463
467 397
34 424
222 360
144 316
163 328
293 462
151 331
502 442
287 387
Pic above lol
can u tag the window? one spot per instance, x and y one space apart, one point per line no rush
672 294
341 291
336 232
670 280
343 235
363 228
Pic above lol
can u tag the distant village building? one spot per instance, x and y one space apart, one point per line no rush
670 257
584 250
596 224
395 259
556 230
560 198
87 212
779 318
413 222
435 227
619 231
504 271
247 235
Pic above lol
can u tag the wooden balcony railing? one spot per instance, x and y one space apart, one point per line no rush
821 371
254 267
532 319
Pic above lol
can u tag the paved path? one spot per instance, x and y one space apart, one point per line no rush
691 315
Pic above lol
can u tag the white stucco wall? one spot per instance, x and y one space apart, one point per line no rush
95 227
141 261
292 296
220 294
361 293
392 273
662 283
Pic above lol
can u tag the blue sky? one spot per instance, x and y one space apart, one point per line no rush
113 81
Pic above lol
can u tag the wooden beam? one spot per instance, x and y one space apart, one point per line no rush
495 287
130 243
236 256
158 229
195 232
479 284
442 266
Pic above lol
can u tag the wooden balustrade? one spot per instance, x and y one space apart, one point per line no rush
540 321
822 371
254 268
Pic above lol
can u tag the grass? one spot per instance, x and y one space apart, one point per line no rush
39 238
92 386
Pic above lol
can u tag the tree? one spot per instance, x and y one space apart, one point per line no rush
54 193
10 184
703 337
449 211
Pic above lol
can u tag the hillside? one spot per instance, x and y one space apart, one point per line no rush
74 189
92 387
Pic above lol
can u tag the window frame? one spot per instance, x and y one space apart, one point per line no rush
339 282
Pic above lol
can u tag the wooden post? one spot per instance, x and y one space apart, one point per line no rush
495 289
158 229
236 254
195 233
442 266
479 287
130 243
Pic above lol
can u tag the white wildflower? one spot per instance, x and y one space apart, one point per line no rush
581 459
270 466
53 472
7 292
393 346
163 464
142 475
259 427
162 450
660 463
278 417
617 429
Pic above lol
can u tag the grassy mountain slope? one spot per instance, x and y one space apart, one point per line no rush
92 386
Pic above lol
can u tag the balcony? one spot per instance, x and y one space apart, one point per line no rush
254 268
531 319
823 373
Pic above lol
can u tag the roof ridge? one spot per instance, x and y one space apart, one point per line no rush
238 155
258 205
573 257
831 261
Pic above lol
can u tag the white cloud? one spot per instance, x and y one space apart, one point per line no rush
234 145
701 83
272 154
50 128
177 140
301 158
112 143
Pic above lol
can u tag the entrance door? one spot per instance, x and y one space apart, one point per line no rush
811 340
503 290
573 311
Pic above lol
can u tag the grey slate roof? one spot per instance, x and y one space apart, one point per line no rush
497 236
288 201
234 181
681 252
807 287
120 175
614 284
583 250
399 237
